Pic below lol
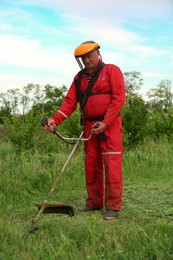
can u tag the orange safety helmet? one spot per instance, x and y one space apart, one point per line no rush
85 48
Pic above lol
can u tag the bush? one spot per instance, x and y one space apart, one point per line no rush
21 130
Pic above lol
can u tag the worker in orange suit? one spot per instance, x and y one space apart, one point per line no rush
100 90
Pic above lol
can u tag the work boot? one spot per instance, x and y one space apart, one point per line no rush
110 214
88 209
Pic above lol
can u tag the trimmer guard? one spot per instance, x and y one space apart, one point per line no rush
56 207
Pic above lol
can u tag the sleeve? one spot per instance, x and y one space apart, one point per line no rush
117 84
68 106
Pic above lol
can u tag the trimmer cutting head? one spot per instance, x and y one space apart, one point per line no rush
49 208
56 207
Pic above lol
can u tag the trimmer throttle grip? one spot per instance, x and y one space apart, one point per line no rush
103 137
44 121
97 125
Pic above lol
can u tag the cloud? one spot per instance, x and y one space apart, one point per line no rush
5 27
19 81
122 9
147 51
30 53
96 10
113 36
44 42
155 74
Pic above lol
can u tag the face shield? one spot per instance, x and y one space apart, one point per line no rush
83 49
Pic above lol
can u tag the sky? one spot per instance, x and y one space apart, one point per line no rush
38 38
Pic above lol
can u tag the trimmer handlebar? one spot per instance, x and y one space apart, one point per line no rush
44 123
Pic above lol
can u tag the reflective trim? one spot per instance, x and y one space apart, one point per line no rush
62 113
111 153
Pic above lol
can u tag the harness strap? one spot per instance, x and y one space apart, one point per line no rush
98 93
99 118
83 98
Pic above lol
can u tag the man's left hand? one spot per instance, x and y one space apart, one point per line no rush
100 129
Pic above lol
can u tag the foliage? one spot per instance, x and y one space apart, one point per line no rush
5 112
161 97
134 111
53 98
160 124
133 82
160 106
71 127
21 130
141 118
134 120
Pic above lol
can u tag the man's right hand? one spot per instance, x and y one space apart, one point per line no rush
50 125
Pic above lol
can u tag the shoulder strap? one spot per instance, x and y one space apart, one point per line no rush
83 98
77 83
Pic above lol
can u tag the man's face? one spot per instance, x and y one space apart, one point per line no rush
91 61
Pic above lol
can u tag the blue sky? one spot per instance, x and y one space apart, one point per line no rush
38 38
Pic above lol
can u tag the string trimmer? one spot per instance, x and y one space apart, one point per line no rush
46 207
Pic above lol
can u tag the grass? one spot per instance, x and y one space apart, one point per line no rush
144 229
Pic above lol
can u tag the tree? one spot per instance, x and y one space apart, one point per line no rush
5 112
134 120
5 103
135 110
54 97
13 97
5 109
161 97
161 110
26 98
133 82
38 95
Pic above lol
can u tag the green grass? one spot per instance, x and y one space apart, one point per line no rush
144 229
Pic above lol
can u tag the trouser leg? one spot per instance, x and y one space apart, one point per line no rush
112 153
94 173
113 181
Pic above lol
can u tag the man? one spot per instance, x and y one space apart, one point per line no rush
100 90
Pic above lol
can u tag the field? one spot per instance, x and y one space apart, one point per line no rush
144 229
